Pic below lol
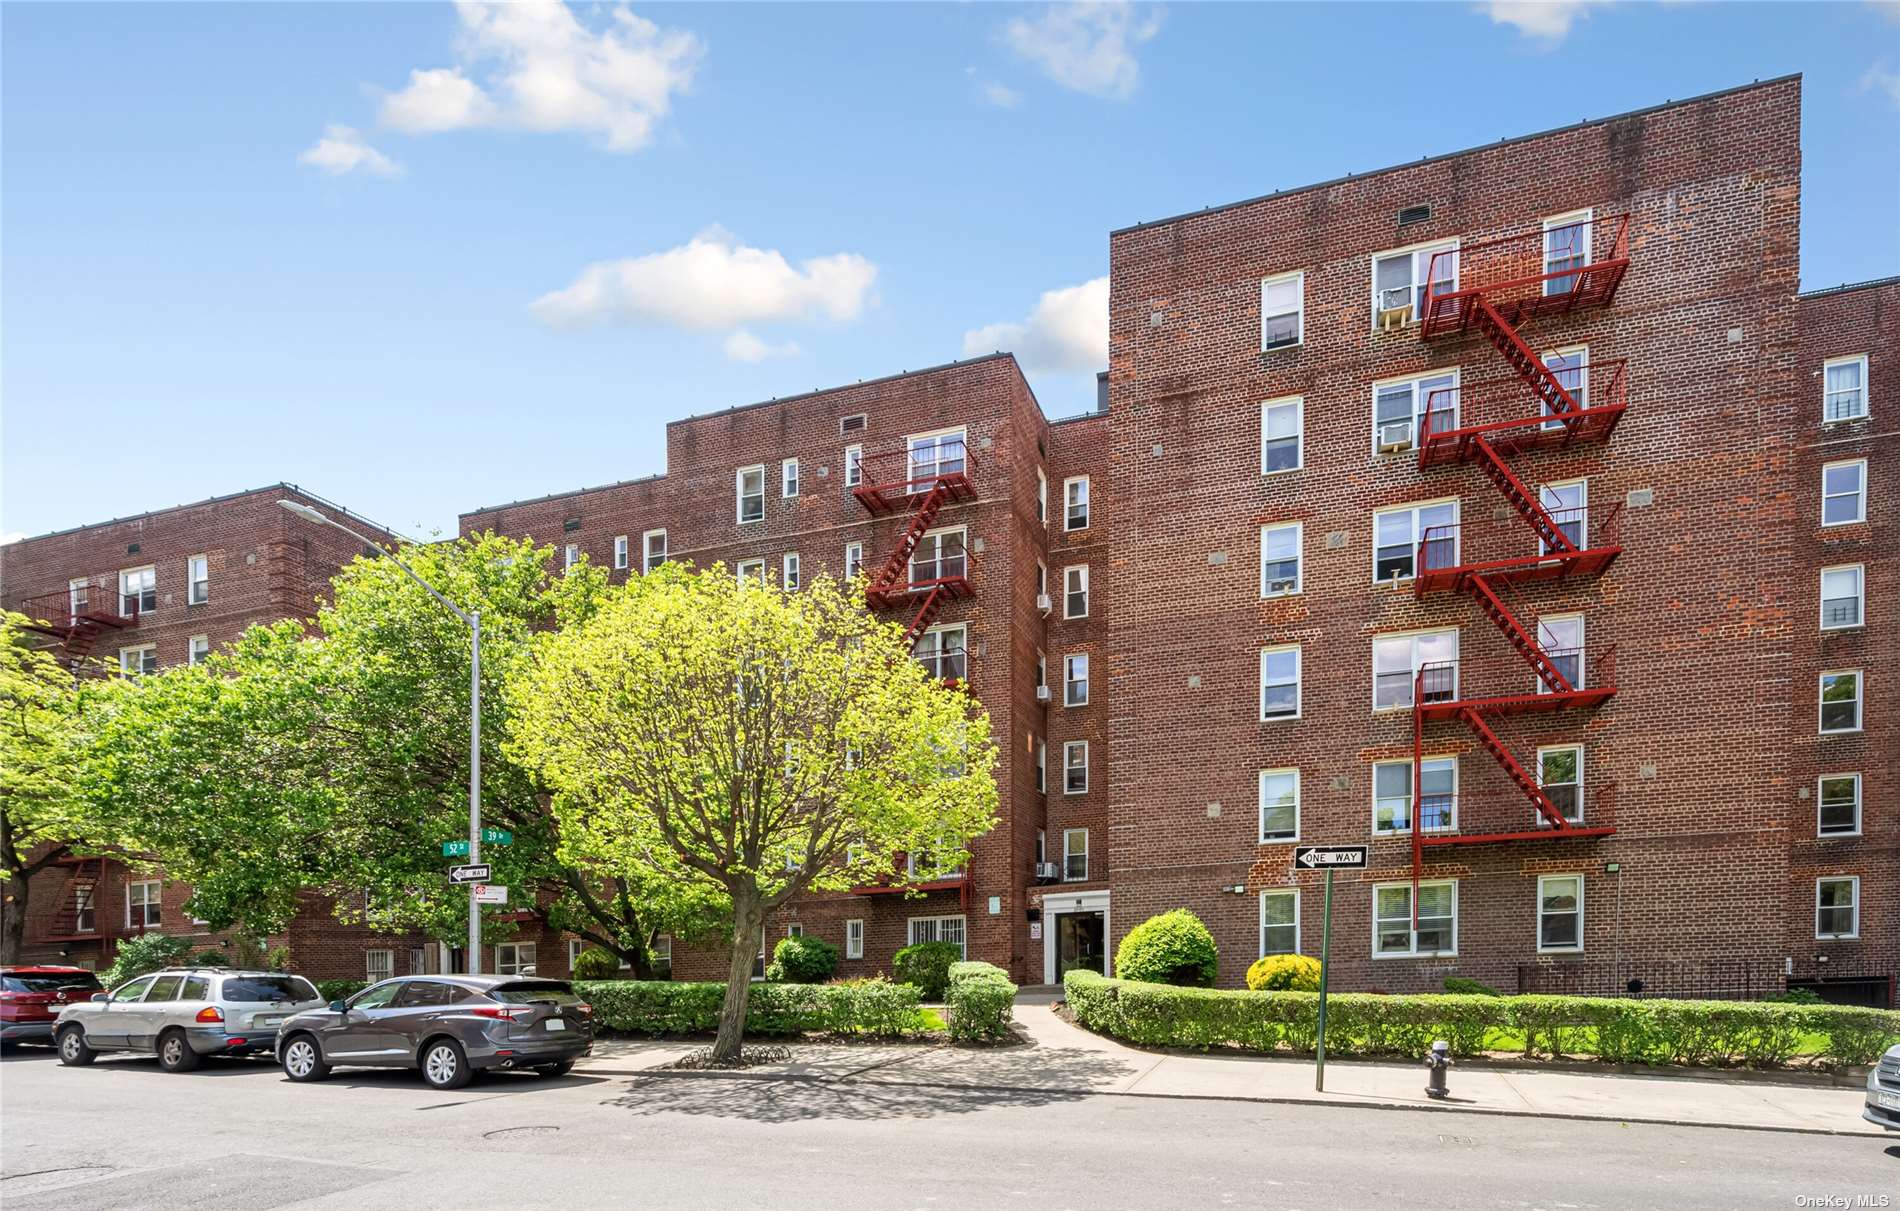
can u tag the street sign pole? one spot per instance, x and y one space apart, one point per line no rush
1325 971
474 786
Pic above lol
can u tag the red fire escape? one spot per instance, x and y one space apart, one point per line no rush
78 915
1498 287
922 487
74 618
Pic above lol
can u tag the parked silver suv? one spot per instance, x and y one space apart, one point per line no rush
1883 1091
183 1015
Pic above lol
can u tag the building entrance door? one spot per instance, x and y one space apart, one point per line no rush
1081 942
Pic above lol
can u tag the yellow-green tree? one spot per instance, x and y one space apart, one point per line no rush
759 743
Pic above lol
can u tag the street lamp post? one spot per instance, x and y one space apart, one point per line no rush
473 618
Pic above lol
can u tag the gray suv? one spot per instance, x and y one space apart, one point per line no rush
447 1026
183 1015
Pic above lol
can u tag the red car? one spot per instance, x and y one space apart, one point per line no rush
31 997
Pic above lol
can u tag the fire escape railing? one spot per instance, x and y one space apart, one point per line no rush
73 622
920 488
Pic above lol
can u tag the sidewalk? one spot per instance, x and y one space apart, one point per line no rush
1060 1059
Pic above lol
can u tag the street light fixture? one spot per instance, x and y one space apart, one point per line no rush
473 618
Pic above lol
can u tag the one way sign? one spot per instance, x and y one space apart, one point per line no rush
1330 857
470 874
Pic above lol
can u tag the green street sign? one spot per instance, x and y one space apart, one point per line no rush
490 836
455 849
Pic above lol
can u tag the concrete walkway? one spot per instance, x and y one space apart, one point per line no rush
1058 1061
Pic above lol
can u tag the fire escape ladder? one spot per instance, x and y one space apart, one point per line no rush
896 570
1492 606
1522 499
1517 773
1522 359
927 612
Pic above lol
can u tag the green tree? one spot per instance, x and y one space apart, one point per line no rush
754 743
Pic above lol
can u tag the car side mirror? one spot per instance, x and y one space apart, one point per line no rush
338 1007
101 998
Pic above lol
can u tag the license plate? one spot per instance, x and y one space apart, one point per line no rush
557 1023
267 1019
1887 1101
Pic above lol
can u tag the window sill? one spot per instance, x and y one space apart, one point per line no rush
1279 718
1419 954
1841 731
1858 626
1853 836
1292 840
1284 470
1560 950
1837 937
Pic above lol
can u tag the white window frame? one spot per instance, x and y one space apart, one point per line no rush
913 934
522 955
1277 892
1860 701
788 577
853 466
1267 408
1421 255
1551 497
1042 497
1299 681
374 970
753 569
934 441
1042 668
1581 783
1075 583
1859 493
150 902
1860 597
788 478
853 559
1582 650
1070 680
1586 219
854 938
78 596
941 650
1298 310
1069 853
1415 661
148 572
1858 360
1578 913
198 580
570 555
1076 493
197 648
1299 558
1569 359
1417 533
1414 779
1411 921
934 541
1853 907
1421 400
1070 748
1261 812
133 659
1820 806
740 495
648 562
621 550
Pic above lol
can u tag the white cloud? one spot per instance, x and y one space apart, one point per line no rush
712 282
342 149
1548 21
1066 333
1087 47
535 66
1000 94
1889 8
742 346
1879 79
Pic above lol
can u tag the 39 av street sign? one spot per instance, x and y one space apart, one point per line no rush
1330 857
490 836
470 874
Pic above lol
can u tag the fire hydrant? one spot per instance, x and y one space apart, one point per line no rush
1437 1062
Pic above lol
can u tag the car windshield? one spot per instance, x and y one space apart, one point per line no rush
531 992
268 988
45 981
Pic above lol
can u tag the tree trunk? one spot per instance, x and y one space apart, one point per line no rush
747 921
13 918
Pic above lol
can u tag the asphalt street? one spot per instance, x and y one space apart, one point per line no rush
236 1136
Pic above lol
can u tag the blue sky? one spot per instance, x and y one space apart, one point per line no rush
421 259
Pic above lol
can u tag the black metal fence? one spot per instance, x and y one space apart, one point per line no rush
1688 980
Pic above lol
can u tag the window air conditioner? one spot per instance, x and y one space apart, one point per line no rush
1281 586
1046 870
1042 693
1044 604
1395 436
1394 318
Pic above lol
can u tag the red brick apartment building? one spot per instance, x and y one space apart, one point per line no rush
1508 511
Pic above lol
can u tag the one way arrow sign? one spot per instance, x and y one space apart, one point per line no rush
1330 857
470 874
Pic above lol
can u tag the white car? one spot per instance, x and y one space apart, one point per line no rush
1883 1091
182 1015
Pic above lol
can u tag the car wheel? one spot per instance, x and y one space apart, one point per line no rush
73 1049
302 1061
175 1053
445 1064
557 1069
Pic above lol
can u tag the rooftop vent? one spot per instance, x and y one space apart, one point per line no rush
851 424
1414 214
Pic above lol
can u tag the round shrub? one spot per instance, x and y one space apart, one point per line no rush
1284 973
1466 986
1173 948
340 990
146 952
595 964
802 960
926 967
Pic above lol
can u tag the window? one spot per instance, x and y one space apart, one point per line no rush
1042 847
1840 701
1393 935
1075 767
751 571
570 556
1839 812
854 938
138 592
1399 407
1398 659
197 988
1844 493
1075 503
1280 922
750 489
1075 679
1042 767
1837 907
933 456
1396 534
853 466
1282 435
78 595
1844 388
1559 913
936 929
1280 560
853 559
197 648
1042 497
1561 638
141 904
1075 591
140 660
1042 578
795 930
1842 592
1399 277
1568 504
788 477
85 909
1282 304
652 550
939 556
1392 795
788 571
1279 804
1042 669
942 651
659 957
1280 682
197 580
1560 774
378 965
620 552
1571 368
1075 855
1566 246
514 959
165 988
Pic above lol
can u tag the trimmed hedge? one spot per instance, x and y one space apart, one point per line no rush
925 966
595 963
340 990
802 960
1169 948
981 1001
1757 1033
1284 973
875 1008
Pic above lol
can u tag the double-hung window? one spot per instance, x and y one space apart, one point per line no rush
1075 767
749 486
1075 679
197 580
935 929
1042 497
1397 661
78 597
1075 591
138 592
853 466
1571 368
652 550
1280 560
139 661
1559 913
854 938
853 559
1280 921
1560 776
1075 503
142 904
1840 701
1075 855
1561 638
788 477
1837 907
1399 408
1282 434
1279 805
1399 279
751 571
1839 807
1842 595
788 571
1280 682
1844 492
378 965
939 556
514 958
1568 505
942 651
934 455
620 552
1392 795
197 649
570 555
1282 310
1393 934
1396 534
1566 247
1844 388
1042 766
